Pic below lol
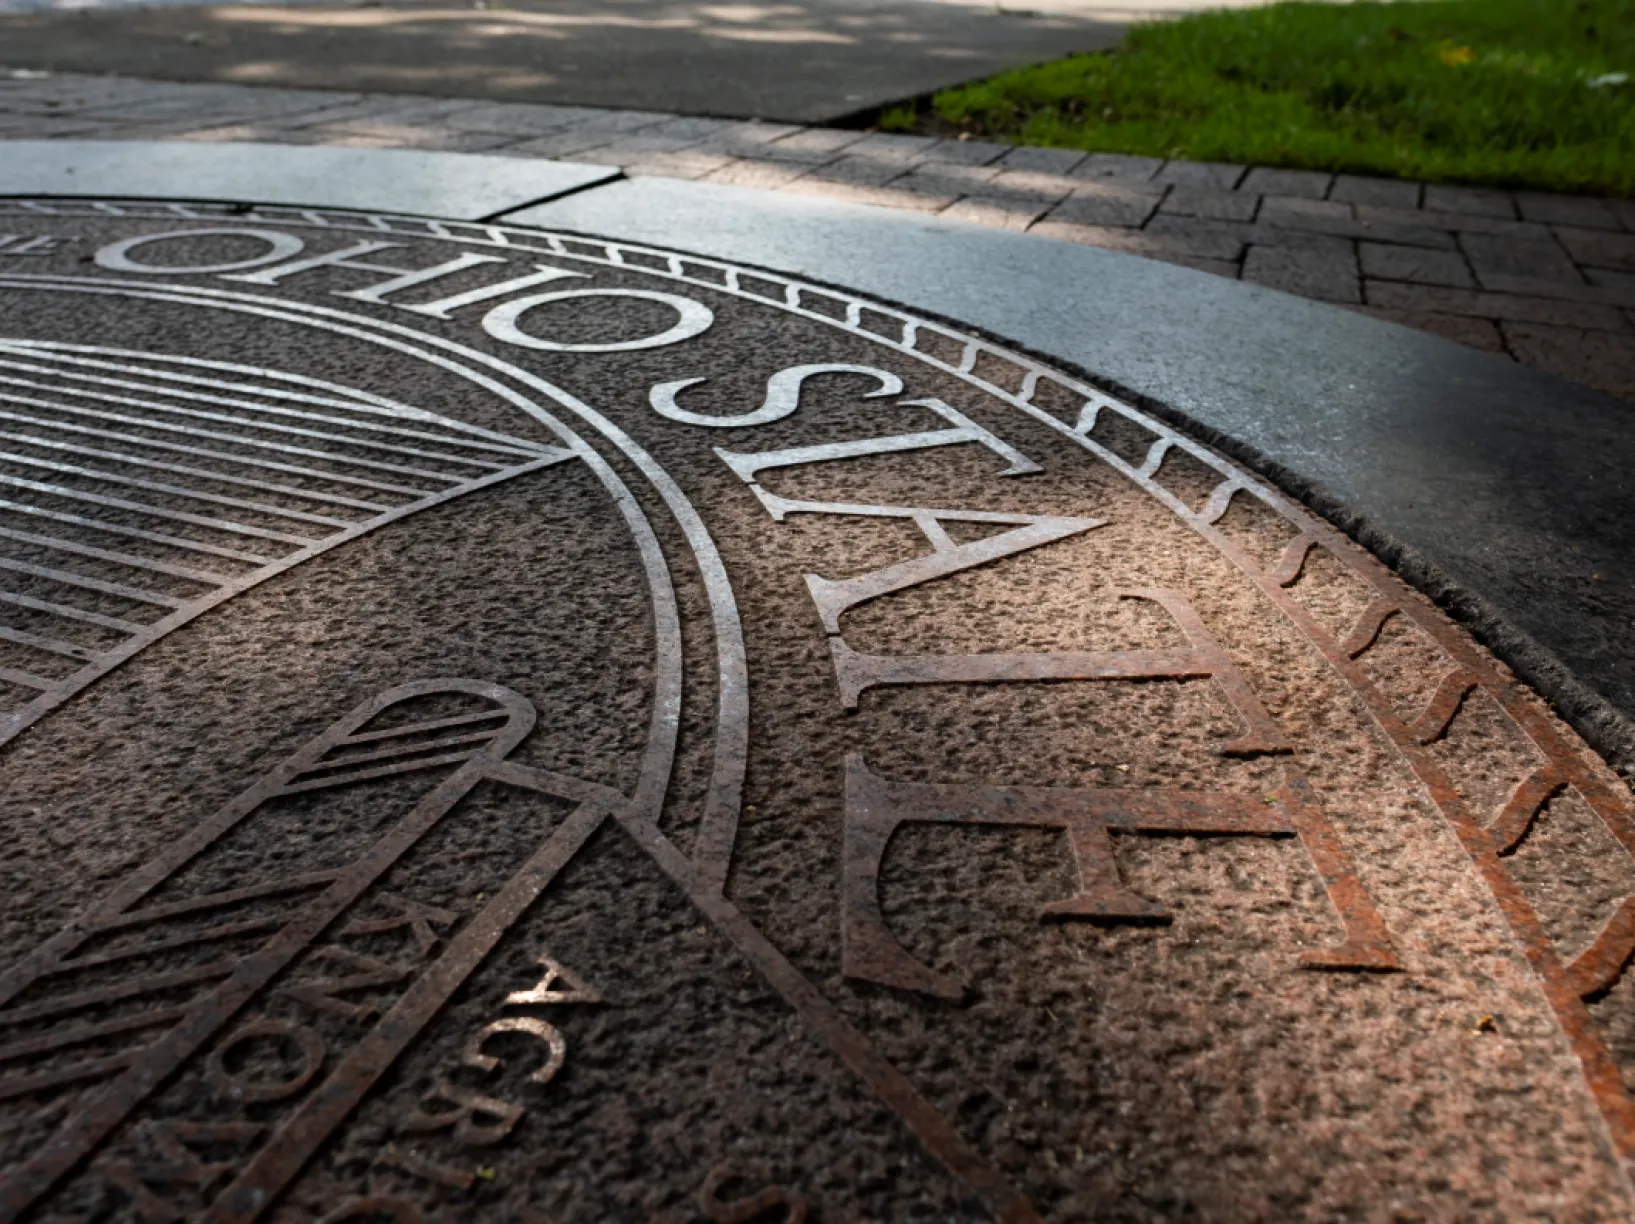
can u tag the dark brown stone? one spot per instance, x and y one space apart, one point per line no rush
1328 274
1495 257
619 810
1596 358
1598 248
1387 261
1211 205
1302 183
1493 305
1384 193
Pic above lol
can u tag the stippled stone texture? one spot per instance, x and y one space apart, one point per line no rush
762 673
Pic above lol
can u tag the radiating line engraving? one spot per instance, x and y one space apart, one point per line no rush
703 875
192 481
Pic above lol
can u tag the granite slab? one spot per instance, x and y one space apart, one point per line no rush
466 186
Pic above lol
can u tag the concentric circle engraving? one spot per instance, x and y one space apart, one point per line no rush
503 725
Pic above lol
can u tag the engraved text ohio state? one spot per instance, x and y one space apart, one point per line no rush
502 725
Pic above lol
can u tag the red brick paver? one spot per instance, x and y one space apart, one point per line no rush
1548 280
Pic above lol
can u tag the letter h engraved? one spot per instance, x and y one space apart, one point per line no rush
1201 659
876 808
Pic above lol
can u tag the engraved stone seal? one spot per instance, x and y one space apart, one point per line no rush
509 726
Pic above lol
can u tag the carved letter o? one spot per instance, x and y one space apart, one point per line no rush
240 1088
116 256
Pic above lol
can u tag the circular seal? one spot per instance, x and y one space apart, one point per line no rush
511 725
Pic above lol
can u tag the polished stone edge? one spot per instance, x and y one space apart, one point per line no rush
1411 444
458 186
1607 729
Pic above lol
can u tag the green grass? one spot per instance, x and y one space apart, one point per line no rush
1500 92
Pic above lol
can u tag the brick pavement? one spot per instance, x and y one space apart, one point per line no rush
1548 280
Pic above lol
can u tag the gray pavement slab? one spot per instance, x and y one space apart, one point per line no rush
397 180
804 61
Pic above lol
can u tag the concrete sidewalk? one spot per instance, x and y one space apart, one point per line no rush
800 61
1547 280
797 60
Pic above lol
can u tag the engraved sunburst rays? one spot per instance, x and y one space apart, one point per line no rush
138 490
